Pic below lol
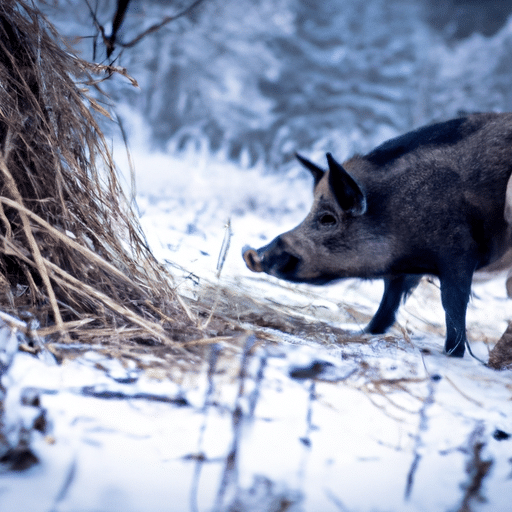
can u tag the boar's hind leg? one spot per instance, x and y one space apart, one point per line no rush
455 292
395 288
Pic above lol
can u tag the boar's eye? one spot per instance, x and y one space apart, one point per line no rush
327 219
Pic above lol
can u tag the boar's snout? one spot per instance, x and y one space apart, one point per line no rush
252 259
273 259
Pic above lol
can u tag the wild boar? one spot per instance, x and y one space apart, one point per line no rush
430 202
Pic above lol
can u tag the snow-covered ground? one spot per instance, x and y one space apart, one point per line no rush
384 423
313 422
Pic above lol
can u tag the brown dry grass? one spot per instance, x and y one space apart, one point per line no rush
72 256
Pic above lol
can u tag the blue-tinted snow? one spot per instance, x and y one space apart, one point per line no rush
226 96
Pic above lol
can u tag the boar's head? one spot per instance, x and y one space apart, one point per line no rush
336 240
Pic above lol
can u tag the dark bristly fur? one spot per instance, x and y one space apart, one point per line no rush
431 201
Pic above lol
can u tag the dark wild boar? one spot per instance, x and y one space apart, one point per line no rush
430 202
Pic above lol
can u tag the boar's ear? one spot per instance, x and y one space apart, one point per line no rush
347 192
317 172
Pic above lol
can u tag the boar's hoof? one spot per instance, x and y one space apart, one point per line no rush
456 350
252 259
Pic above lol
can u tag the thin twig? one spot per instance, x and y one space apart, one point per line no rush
209 341
68 326
158 26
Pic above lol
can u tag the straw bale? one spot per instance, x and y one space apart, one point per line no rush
73 259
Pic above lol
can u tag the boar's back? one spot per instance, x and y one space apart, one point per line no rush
434 135
441 188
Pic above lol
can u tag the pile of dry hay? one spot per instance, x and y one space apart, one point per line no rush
73 260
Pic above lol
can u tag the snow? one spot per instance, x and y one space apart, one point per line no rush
389 423
297 423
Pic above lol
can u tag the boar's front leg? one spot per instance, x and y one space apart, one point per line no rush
395 288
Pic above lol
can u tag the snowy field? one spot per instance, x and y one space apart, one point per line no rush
383 423
301 412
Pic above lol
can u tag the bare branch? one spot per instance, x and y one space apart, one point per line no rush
158 26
